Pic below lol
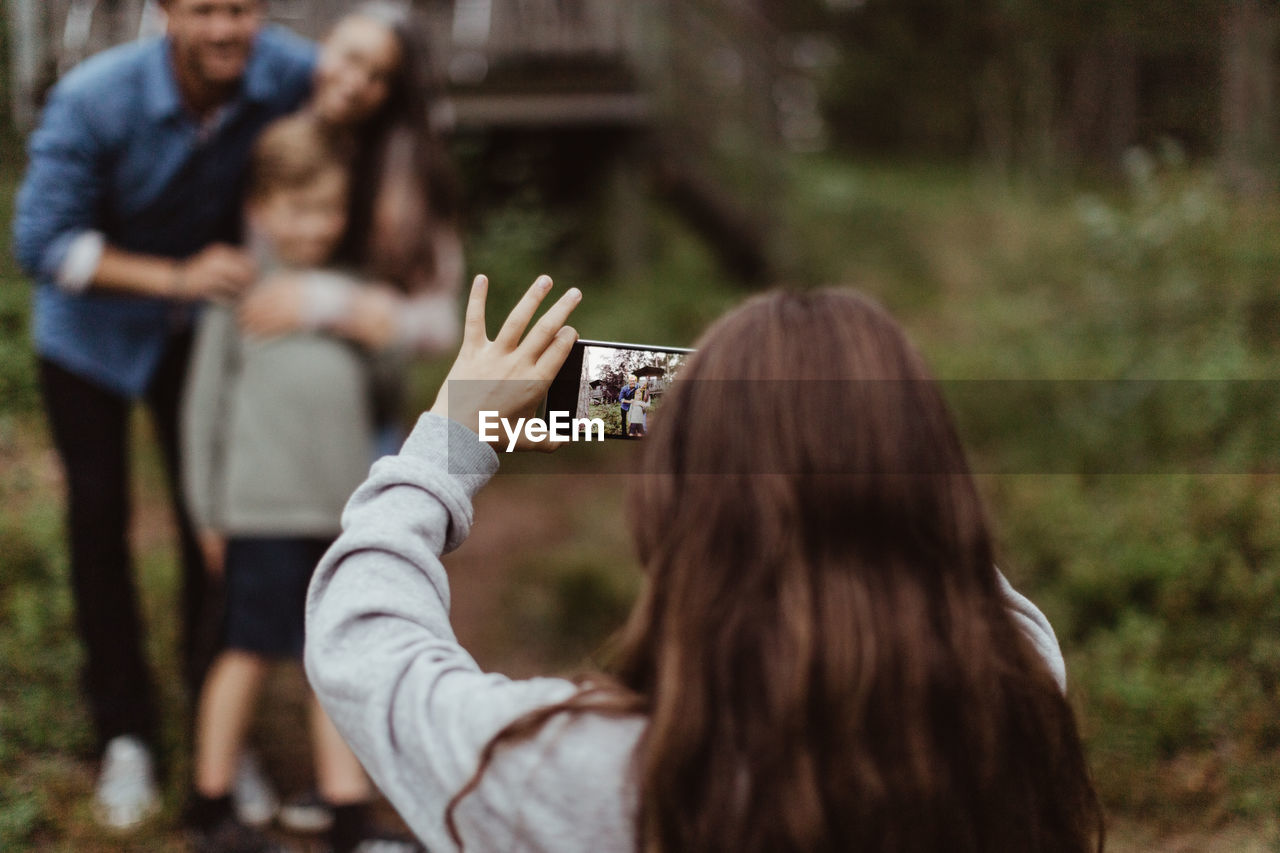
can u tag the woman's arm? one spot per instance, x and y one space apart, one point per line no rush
423 321
374 314
219 272
380 653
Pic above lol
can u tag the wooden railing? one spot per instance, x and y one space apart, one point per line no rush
511 29
677 47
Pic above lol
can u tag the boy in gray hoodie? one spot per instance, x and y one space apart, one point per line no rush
277 434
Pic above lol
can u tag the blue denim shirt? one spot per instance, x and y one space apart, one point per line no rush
117 153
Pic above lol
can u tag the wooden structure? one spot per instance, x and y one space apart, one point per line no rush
700 81
654 378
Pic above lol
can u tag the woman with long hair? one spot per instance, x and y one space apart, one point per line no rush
373 91
823 658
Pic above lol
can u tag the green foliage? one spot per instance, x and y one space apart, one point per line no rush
1162 582
1137 501
575 597
38 661
513 244
18 392
610 413
1095 347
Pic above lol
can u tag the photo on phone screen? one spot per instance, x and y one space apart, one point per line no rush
621 384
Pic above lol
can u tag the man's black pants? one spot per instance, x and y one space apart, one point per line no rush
90 427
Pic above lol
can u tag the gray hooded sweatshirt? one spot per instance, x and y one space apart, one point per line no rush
417 710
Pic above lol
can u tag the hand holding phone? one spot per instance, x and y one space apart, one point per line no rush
508 375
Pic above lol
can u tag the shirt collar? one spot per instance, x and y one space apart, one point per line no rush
165 101
259 85
162 97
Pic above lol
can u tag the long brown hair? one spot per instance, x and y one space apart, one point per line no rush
822 650
398 145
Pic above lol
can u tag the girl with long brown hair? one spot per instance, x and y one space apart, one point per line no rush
824 656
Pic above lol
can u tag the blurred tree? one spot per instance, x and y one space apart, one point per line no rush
1034 85
1248 94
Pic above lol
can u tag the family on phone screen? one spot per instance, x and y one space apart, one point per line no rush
634 401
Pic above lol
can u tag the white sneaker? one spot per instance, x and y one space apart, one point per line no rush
306 813
126 792
389 845
252 796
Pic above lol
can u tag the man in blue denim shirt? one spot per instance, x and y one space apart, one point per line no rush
127 218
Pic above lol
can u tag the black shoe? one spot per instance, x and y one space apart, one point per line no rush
354 831
231 836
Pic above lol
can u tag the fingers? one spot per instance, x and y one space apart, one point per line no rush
552 358
232 269
259 305
549 446
265 314
473 331
550 324
239 266
518 319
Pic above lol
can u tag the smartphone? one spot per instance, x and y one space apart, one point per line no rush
621 384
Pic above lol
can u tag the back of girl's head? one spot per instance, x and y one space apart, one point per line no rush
813 404
822 646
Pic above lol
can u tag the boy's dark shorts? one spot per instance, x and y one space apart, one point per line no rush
267 581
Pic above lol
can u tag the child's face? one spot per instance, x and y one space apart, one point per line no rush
304 225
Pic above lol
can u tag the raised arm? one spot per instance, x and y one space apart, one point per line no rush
380 653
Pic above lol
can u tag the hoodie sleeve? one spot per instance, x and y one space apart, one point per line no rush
1036 628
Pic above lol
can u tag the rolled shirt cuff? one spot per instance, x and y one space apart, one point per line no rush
81 261
428 323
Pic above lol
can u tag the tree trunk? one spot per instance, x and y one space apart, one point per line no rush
30 71
1248 108
1102 113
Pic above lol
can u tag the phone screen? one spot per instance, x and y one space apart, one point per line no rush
621 384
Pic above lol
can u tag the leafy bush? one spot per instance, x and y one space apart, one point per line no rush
18 392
